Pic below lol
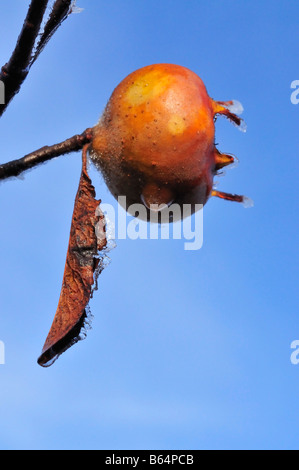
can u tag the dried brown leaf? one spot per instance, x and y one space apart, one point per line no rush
79 276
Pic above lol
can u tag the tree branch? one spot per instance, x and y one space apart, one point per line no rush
60 11
16 70
73 144
14 73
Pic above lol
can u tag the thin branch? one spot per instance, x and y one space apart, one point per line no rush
27 50
16 70
60 11
73 144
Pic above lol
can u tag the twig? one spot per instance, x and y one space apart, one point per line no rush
27 50
73 144
60 11
16 70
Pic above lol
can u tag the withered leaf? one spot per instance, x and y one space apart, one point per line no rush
79 276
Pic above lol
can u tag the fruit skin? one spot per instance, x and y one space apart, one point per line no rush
154 143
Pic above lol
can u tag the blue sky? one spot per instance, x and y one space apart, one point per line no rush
188 350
